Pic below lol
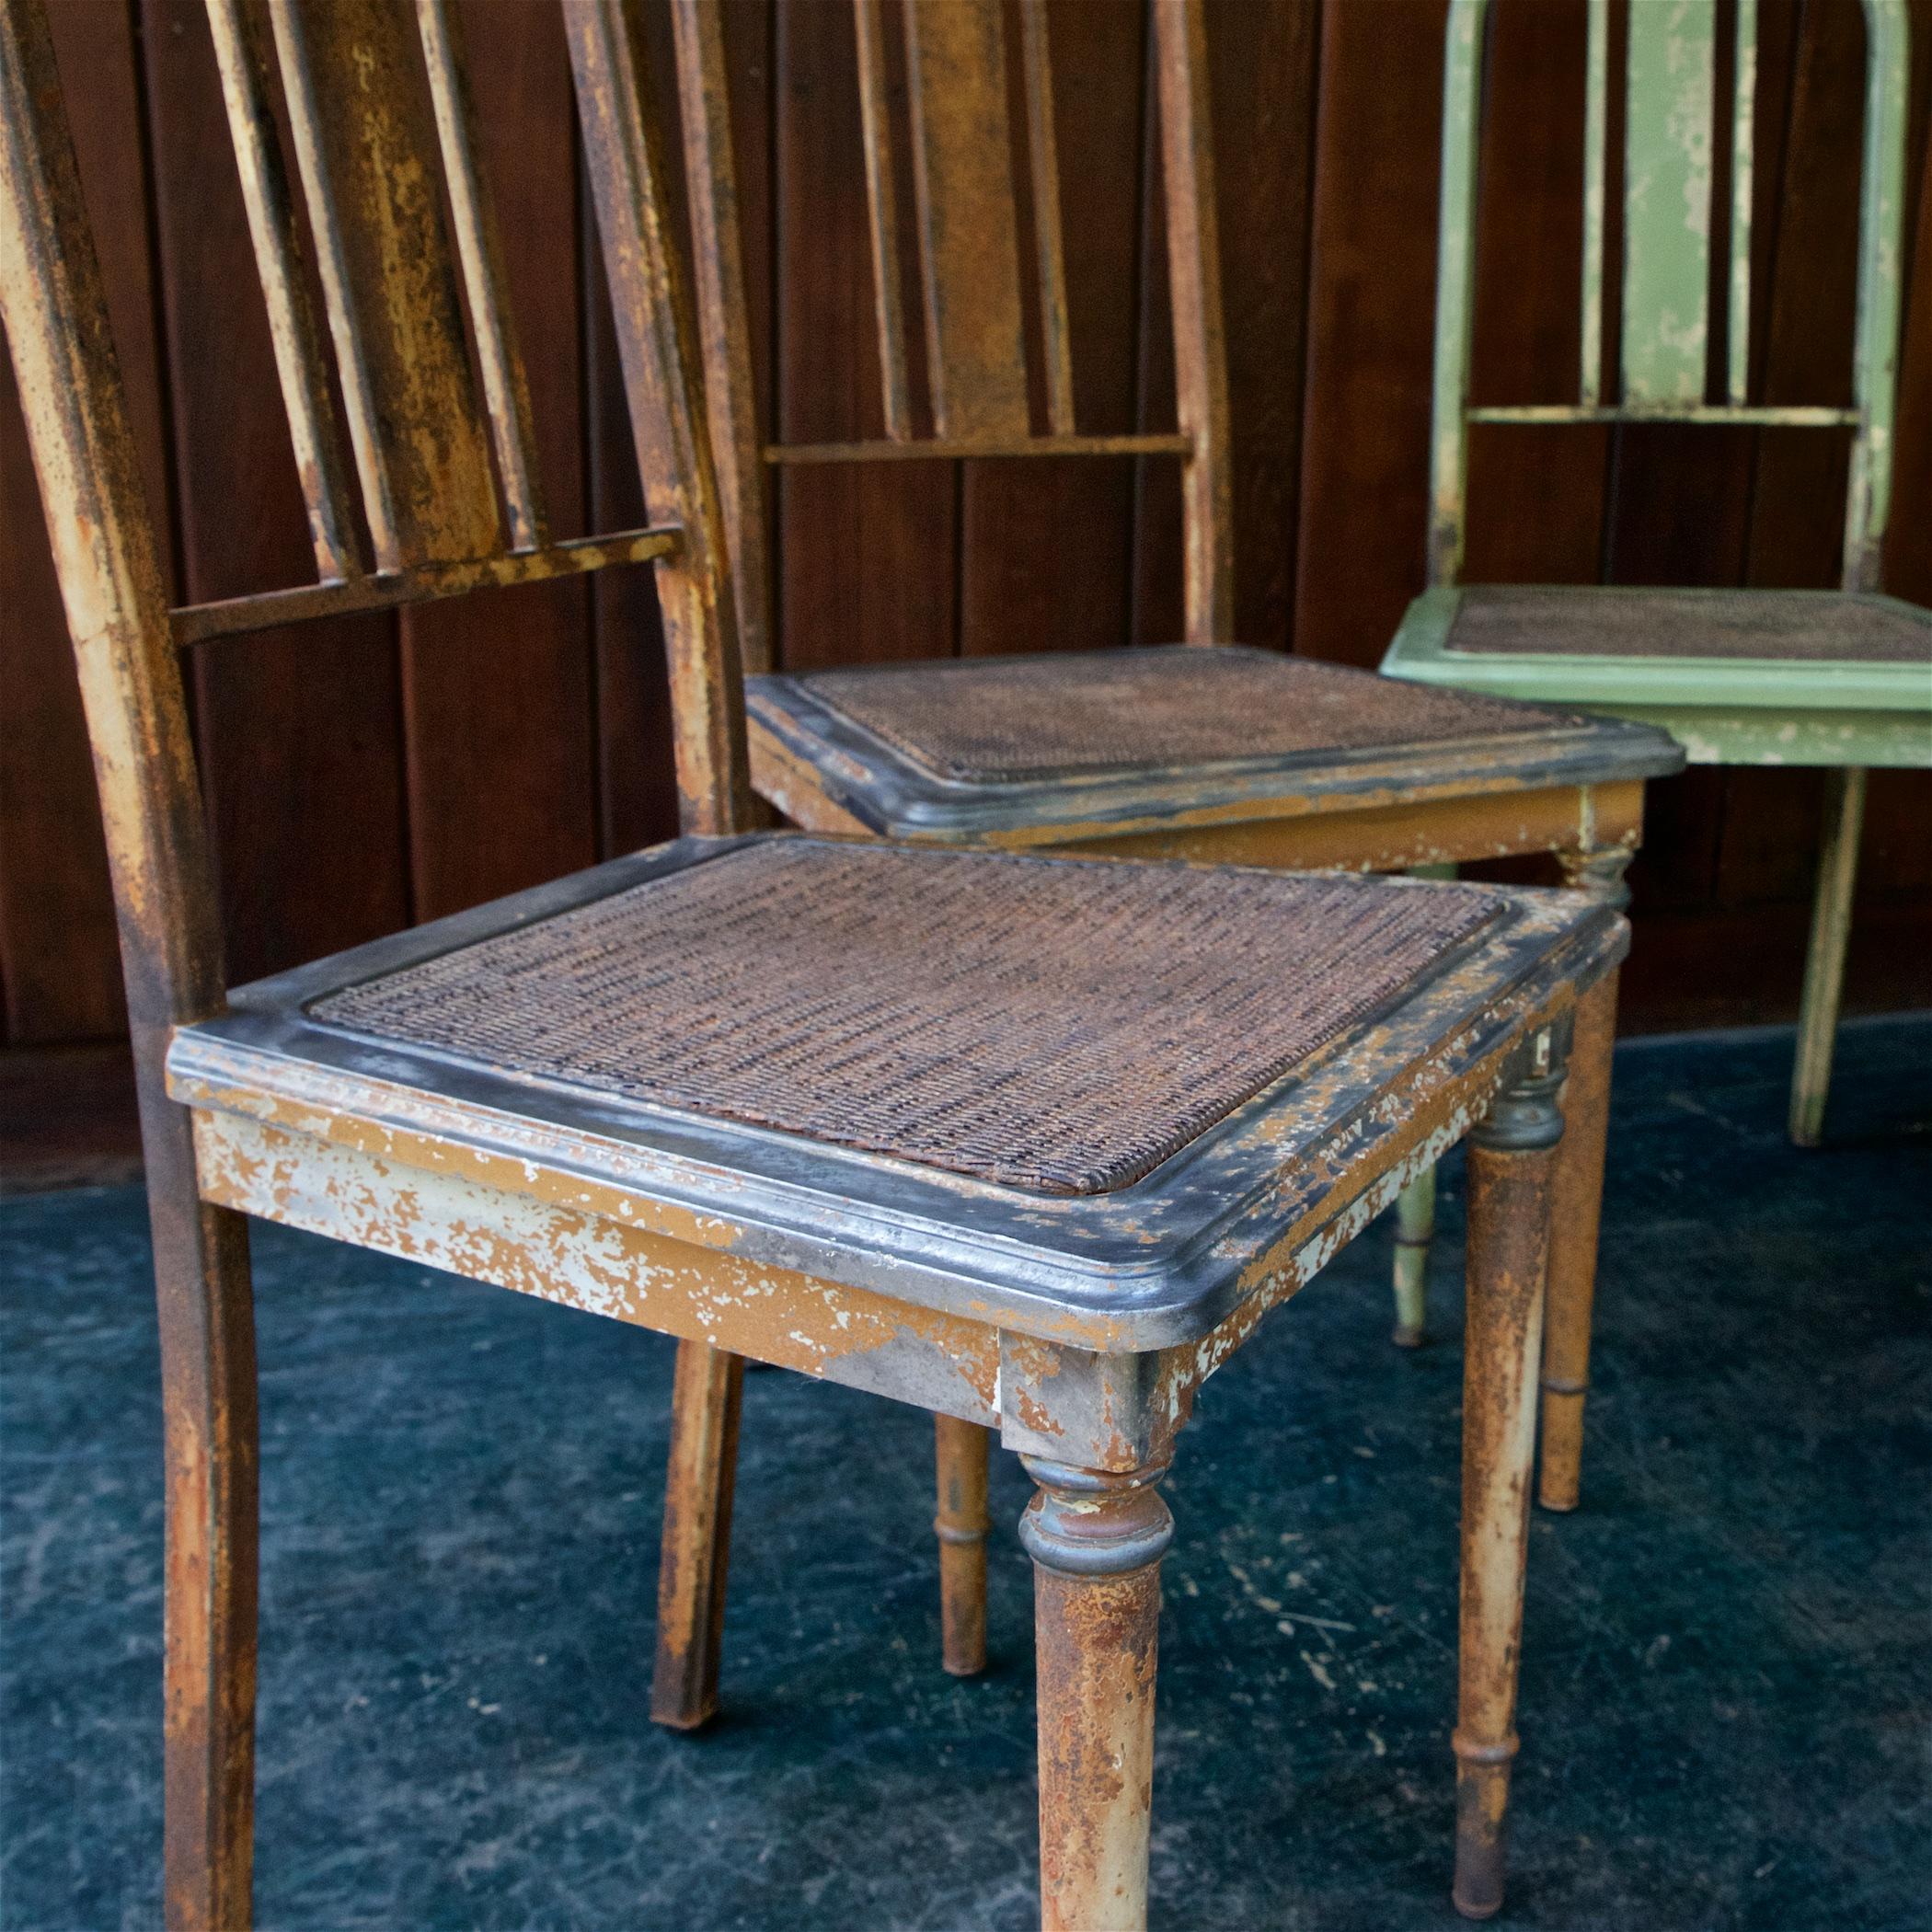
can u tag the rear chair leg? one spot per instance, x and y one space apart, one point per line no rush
961 1527
1415 1217
1512 1154
697 1533
1415 1229
1824 962
1095 1540
207 1393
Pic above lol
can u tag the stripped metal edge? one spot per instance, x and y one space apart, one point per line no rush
888 791
1420 652
1146 1265
1713 735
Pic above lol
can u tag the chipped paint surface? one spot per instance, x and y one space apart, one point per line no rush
589 1261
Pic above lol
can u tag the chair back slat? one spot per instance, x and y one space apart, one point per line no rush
1668 177
1743 142
365 143
882 209
968 246
1597 159
481 256
1043 165
301 353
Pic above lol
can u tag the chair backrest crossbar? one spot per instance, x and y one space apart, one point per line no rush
990 249
1671 188
438 419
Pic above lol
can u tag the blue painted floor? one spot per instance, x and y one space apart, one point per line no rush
1727 1692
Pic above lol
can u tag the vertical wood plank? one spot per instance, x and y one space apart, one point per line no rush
868 560
1365 463
60 967
1668 177
497 686
299 734
882 209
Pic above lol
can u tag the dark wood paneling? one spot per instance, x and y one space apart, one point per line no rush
355 785
1370 325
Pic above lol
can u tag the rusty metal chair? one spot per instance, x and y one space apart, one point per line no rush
1029 1143
1230 754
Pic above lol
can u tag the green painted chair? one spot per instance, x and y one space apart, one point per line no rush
1840 679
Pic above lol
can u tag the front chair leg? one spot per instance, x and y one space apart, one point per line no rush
208 1395
1512 1154
1095 1540
1415 1218
705 1402
961 1527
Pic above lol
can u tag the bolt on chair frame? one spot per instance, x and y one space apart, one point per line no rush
1846 713
1574 790
1080 1325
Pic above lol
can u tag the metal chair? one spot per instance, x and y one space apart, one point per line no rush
1032 1143
1226 755
1836 679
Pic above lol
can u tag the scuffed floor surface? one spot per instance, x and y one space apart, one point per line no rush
1727 1713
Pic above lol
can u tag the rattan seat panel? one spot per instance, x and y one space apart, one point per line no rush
1783 626
1057 1025
1006 720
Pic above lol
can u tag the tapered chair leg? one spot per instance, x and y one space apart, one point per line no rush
1095 1541
1575 1220
1415 1220
207 1392
1511 1156
962 1527
705 1403
1824 960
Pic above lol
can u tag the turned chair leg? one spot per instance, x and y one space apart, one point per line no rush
1095 1540
1512 1154
962 1527
705 1402
1575 1218
1415 1220
1824 960
208 1391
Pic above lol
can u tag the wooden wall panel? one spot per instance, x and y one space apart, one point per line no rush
378 770
1371 321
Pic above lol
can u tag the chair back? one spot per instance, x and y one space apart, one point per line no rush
1676 360
991 370
434 490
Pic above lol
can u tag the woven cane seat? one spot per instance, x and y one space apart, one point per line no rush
1057 1025
1781 625
1007 720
